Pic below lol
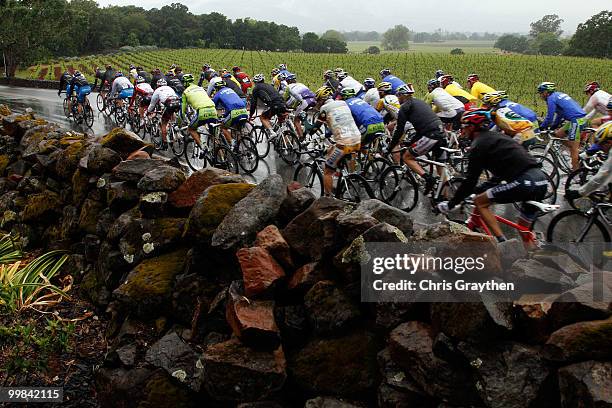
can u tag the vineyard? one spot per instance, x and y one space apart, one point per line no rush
518 74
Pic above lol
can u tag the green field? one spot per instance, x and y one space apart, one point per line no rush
517 74
468 47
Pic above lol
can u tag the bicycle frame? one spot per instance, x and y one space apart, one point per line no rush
475 221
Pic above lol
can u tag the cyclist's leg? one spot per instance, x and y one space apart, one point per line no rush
332 159
297 121
227 122
422 146
571 130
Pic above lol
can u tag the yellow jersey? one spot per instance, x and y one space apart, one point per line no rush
456 91
479 90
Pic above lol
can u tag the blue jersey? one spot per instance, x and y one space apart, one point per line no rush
363 113
560 107
228 100
285 72
520 110
394 81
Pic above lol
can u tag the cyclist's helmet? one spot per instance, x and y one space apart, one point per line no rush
282 67
385 87
406 89
259 78
132 66
226 75
609 106
118 74
440 73
275 72
235 69
291 77
282 77
109 66
338 70
503 95
604 133
205 67
384 72
347 93
162 82
546 87
140 79
446 80
342 75
432 84
480 118
172 66
220 84
591 87
187 79
369 83
324 92
472 78
493 98
328 74
77 73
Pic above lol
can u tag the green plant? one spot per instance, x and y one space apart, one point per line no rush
9 253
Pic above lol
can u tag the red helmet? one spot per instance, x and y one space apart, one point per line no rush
446 80
481 118
591 87
235 69
473 78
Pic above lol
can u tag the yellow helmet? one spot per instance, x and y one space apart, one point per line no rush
493 98
604 133
324 92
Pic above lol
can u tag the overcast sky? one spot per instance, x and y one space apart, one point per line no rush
420 15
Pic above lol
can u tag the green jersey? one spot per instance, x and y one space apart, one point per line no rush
197 98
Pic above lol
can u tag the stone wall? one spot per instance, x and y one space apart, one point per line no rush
30 83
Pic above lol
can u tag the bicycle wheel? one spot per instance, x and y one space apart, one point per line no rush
288 147
246 152
156 136
576 226
575 180
310 176
120 117
353 188
224 159
194 155
176 141
66 109
89 115
259 135
100 103
548 166
398 188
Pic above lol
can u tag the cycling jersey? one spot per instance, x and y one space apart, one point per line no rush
445 105
65 82
109 76
211 84
597 104
175 83
228 100
479 90
339 119
560 107
144 90
160 96
119 85
511 123
372 97
296 93
267 95
236 88
79 84
245 81
352 83
390 104
394 81
155 78
520 110
99 75
197 98
363 114
456 91
423 119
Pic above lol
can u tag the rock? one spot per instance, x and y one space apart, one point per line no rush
234 372
296 202
9 218
328 402
127 354
252 321
260 404
42 207
119 387
80 187
161 178
251 214
306 276
121 196
69 159
581 341
211 208
122 141
384 232
260 272
531 321
17 169
390 314
329 310
386 213
4 162
178 359
511 251
101 160
530 276
139 155
134 170
30 185
147 289
511 375
272 241
351 225
187 194
448 231
292 322
150 237
5 110
90 213
17 125
152 205
35 141
344 366
162 391
586 384
562 262
411 347
312 234
578 304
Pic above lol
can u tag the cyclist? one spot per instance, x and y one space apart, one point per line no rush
338 118
109 77
234 85
141 72
205 69
234 107
99 75
283 69
368 120
145 92
65 83
388 104
132 72
271 101
510 121
385 75
507 161
174 82
477 88
598 100
347 81
440 73
447 82
227 77
563 107
166 97
80 86
157 75
603 138
329 79
122 89
448 108
299 98
212 77
243 78
500 99
205 111
604 119
274 74
371 96
429 134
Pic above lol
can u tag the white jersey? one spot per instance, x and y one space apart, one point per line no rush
350 82
160 96
211 84
340 120
295 93
597 104
390 104
119 84
144 88
446 103
372 97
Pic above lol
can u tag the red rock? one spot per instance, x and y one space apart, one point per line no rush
294 185
259 270
272 241
139 155
305 277
187 194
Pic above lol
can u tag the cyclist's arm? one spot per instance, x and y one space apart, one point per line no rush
466 188
550 114
602 178
399 129
153 103
253 104
183 105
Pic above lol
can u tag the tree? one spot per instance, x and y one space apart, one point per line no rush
512 43
593 38
396 38
548 44
457 51
132 39
310 43
550 23
334 35
372 50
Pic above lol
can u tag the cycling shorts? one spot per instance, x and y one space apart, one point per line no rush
126 93
74 90
574 127
82 92
306 104
428 142
371 129
172 105
234 117
532 185
274 110
455 120
338 152
204 116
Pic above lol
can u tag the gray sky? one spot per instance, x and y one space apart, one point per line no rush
421 15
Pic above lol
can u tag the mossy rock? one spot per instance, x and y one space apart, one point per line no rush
80 186
162 392
5 110
122 141
69 159
212 207
4 162
148 287
70 139
42 207
90 213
